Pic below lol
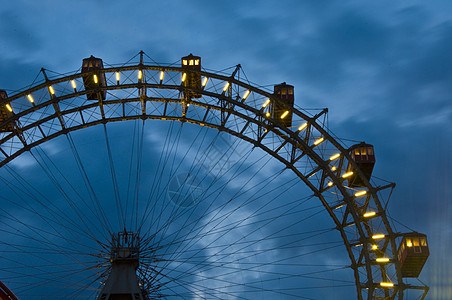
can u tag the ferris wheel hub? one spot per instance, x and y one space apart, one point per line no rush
122 281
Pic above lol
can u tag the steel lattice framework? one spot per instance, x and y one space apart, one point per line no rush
144 91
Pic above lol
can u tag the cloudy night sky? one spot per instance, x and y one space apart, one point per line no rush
383 69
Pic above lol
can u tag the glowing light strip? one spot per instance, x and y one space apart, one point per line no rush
340 206
378 236
204 82
117 76
348 174
284 114
266 103
95 78
140 74
247 93
359 194
369 214
184 76
9 107
162 74
335 156
51 90
226 86
303 126
386 284
30 98
318 141
382 259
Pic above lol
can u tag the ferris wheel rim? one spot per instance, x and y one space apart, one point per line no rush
290 136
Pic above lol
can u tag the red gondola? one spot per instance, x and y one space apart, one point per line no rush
285 93
191 80
5 293
413 253
364 157
96 80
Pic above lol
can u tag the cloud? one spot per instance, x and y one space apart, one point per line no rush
17 38
16 73
384 70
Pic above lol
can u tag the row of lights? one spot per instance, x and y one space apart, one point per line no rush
368 214
184 76
74 85
334 157
117 75
317 142
380 260
303 126
30 98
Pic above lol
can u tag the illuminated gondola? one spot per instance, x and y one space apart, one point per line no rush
6 293
190 79
413 253
364 157
280 112
94 80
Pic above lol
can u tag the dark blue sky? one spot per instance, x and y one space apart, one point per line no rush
383 69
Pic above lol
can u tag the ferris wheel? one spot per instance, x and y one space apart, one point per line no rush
239 195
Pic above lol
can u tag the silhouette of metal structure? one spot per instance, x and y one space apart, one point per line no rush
122 282
267 120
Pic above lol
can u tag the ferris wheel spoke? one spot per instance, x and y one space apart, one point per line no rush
43 240
173 169
293 244
281 275
198 198
49 168
218 219
220 254
51 222
119 207
42 274
139 137
156 288
175 208
201 290
23 190
193 226
36 243
163 160
43 237
235 243
225 286
98 210
219 230
59 283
